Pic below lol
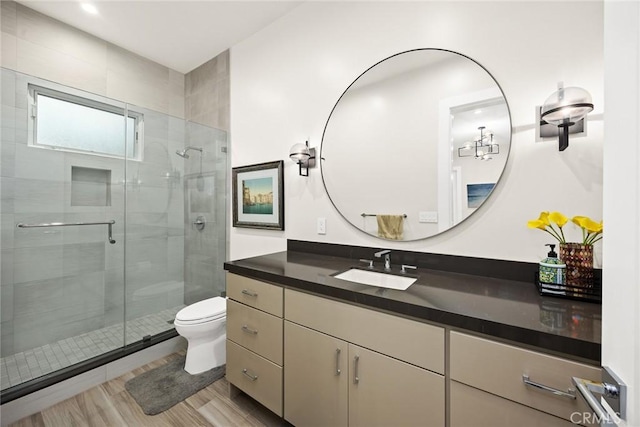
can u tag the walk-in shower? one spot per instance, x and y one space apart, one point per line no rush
100 242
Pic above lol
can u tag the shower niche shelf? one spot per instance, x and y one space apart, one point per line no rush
90 186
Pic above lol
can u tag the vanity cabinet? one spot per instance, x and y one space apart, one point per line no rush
317 361
488 385
255 339
350 366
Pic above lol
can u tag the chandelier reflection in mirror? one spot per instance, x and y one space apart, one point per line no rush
482 148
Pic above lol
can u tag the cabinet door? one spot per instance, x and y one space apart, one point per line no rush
315 378
387 392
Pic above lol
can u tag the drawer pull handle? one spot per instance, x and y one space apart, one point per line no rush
569 394
249 375
249 330
249 293
356 378
338 371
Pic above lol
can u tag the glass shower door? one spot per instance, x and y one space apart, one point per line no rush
62 227
175 222
154 267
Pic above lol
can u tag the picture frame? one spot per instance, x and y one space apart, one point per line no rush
258 195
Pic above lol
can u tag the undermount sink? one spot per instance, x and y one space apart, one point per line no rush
374 278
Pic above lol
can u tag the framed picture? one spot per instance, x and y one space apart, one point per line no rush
258 196
478 193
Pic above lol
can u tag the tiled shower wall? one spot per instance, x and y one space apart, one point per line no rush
207 95
205 183
207 102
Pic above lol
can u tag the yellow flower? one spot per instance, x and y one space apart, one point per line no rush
544 223
553 222
558 218
592 226
591 230
536 223
544 217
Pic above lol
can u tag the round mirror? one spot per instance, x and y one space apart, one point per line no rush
415 144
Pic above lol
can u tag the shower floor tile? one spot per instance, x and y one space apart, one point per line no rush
27 365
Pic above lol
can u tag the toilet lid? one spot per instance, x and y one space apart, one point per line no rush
203 310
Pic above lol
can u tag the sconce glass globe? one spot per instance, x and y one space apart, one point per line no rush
299 153
568 104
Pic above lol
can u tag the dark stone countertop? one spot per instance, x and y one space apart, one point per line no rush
498 308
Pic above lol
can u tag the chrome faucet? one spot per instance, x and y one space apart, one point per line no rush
387 258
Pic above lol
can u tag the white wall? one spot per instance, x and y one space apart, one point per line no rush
286 78
621 276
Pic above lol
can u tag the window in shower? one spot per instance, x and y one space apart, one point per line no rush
64 121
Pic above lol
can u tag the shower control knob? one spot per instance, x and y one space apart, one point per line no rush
200 222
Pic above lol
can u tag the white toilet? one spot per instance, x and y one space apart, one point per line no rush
203 324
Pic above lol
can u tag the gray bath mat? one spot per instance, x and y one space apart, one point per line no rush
165 386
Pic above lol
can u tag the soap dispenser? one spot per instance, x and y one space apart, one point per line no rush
552 270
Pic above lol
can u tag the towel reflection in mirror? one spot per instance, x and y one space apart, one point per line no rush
390 226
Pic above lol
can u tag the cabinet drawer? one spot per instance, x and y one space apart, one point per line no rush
414 342
256 330
473 407
256 376
254 293
498 368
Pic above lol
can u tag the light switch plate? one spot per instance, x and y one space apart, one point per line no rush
428 216
322 226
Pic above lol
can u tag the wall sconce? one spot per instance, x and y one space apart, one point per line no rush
304 156
481 148
564 108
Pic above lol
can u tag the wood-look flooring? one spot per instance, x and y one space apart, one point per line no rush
109 405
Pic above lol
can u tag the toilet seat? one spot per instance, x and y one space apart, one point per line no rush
202 311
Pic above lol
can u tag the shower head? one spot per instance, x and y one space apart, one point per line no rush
183 153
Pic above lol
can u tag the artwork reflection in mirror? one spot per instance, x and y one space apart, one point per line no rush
396 142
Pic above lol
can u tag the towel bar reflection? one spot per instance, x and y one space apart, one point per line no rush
70 224
366 214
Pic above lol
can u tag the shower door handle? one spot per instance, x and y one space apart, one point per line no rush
109 224
110 232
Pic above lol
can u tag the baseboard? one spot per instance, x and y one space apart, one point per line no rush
37 401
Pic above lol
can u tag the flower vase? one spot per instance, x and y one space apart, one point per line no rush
579 266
